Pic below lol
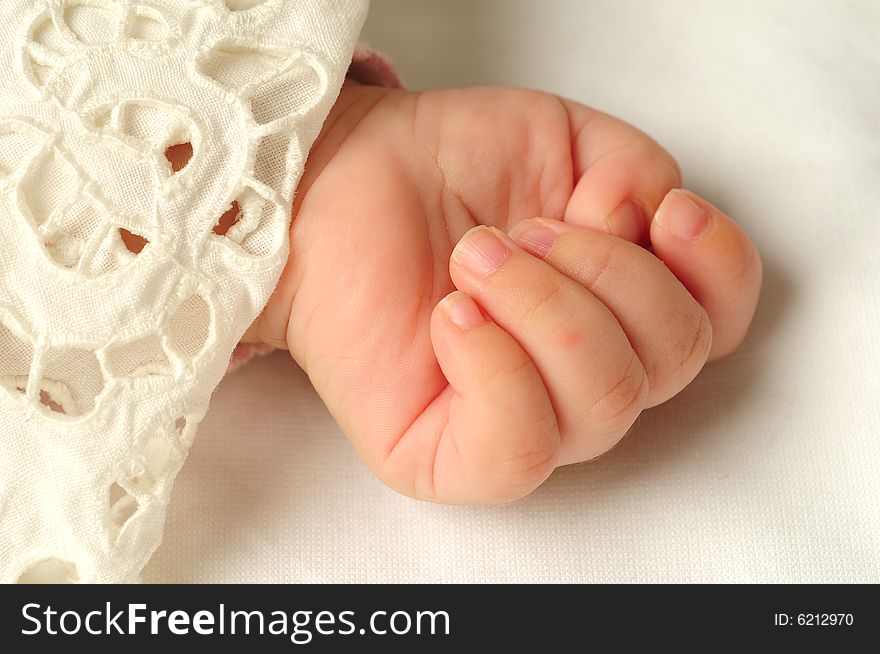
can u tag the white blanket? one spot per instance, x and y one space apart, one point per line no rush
765 469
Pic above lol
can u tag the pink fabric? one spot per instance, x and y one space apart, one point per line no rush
371 67
367 67
244 352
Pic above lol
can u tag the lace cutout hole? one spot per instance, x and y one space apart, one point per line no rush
92 21
50 571
147 26
242 5
123 506
159 457
186 431
40 71
228 219
49 402
154 122
189 327
139 358
266 237
259 226
179 155
68 234
72 379
49 185
134 243
47 35
292 93
111 255
237 67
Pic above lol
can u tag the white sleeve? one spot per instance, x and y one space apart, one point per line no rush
148 158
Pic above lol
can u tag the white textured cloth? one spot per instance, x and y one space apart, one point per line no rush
766 469
148 156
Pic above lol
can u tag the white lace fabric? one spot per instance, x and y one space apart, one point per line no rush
149 152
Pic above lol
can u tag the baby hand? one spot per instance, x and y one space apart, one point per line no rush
468 348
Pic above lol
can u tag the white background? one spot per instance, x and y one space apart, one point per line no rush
765 469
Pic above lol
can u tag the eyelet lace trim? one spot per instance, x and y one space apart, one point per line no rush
149 151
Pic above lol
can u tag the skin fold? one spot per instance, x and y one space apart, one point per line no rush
486 284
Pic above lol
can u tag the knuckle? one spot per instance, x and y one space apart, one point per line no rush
622 400
696 347
515 366
603 264
601 260
688 341
528 460
547 298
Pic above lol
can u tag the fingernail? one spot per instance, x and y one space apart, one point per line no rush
534 238
627 221
682 216
462 310
481 251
